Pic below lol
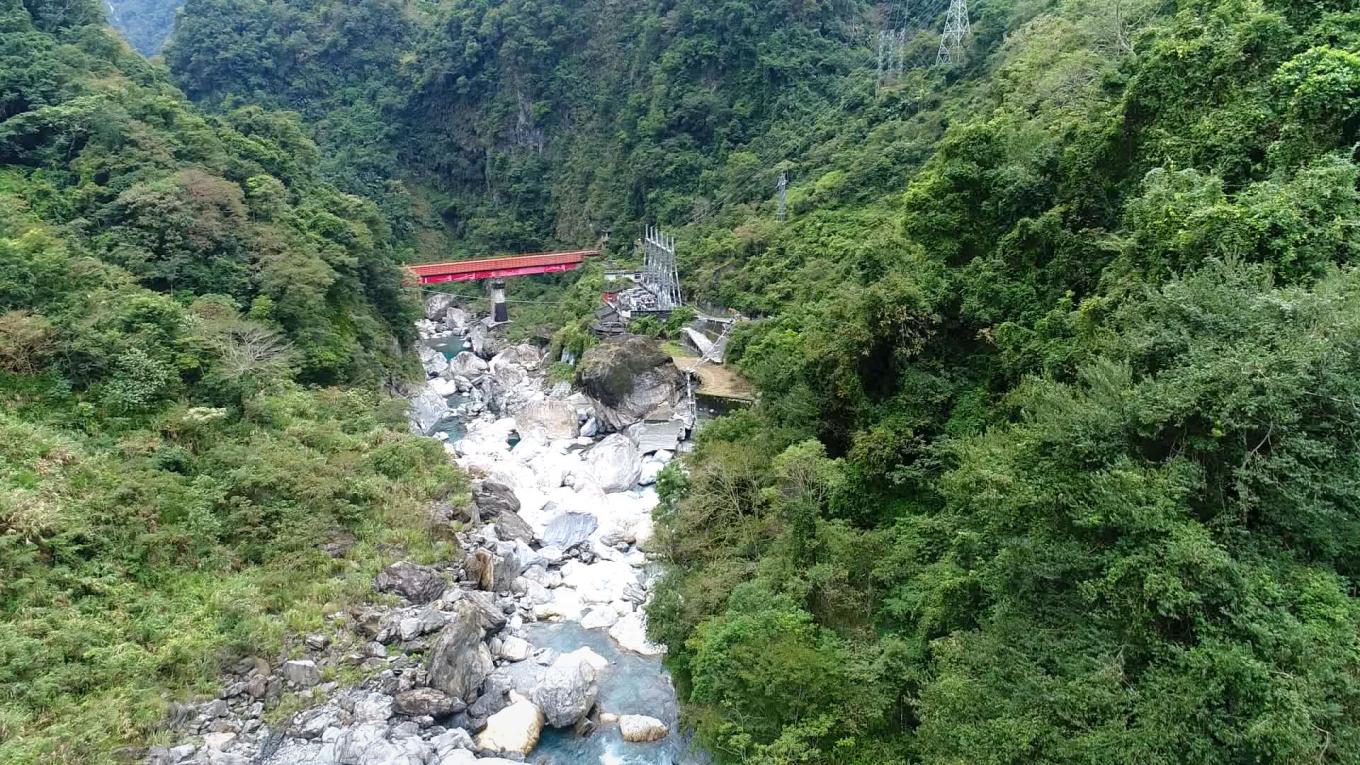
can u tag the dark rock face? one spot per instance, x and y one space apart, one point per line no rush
423 701
629 378
418 584
509 525
460 661
494 498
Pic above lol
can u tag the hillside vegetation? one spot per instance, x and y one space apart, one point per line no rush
178 296
1055 458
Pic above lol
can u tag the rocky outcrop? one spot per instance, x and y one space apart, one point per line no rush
460 661
437 305
418 584
630 379
402 681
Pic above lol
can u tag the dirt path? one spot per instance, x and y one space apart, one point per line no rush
714 379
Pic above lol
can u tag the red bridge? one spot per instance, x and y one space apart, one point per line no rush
500 268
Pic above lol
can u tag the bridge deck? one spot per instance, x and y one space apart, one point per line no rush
500 268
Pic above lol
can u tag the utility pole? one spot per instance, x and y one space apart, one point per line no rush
956 28
783 188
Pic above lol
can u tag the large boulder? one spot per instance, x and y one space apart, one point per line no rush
567 691
428 409
416 583
418 702
485 343
509 525
642 729
494 498
466 365
523 356
437 305
629 378
455 319
460 660
549 419
302 673
515 728
615 463
567 530
433 361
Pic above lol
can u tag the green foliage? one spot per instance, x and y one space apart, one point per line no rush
1084 399
169 283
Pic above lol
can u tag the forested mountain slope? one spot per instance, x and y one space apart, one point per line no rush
1055 459
174 289
1056 454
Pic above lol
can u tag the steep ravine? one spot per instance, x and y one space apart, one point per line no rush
532 646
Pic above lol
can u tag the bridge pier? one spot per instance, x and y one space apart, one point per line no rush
500 312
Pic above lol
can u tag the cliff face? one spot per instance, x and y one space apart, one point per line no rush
145 24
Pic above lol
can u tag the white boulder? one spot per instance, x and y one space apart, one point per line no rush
615 463
515 728
642 729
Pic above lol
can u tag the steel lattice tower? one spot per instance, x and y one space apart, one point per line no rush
956 28
659 272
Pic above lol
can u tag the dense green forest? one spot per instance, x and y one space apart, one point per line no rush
181 299
1056 454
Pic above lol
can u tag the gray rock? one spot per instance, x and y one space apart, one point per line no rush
549 419
418 584
466 365
423 701
314 722
433 361
428 409
488 608
567 692
437 305
427 621
492 498
509 525
485 343
460 661
450 741
302 673
569 529
615 463
455 319
372 707
657 436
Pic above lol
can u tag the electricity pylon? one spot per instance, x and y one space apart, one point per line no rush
956 28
